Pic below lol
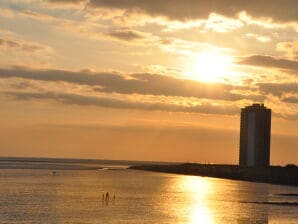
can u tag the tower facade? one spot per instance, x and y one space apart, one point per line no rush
255 128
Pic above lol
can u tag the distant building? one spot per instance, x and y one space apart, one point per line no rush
255 127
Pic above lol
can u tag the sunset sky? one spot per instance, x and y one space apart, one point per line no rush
146 80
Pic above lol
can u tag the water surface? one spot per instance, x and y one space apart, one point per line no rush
75 196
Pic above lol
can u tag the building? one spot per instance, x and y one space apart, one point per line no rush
255 127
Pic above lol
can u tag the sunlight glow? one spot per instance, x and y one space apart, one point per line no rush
210 66
200 214
196 185
198 189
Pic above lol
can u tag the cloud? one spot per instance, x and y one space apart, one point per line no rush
222 24
215 15
66 1
141 83
290 48
63 3
83 100
7 13
187 47
39 16
15 49
267 22
93 30
279 89
279 10
132 36
82 28
269 61
22 45
260 38
10 40
126 34
290 99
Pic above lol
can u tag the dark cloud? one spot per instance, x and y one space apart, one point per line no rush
278 89
66 1
290 48
81 77
291 99
125 34
279 10
21 45
83 100
145 84
269 61
9 43
22 85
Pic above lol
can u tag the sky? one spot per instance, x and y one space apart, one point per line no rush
146 80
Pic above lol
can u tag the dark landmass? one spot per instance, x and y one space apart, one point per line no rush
275 174
289 195
67 164
271 203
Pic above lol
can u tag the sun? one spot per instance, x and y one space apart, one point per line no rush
209 66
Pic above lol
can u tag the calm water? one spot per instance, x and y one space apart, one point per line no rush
36 196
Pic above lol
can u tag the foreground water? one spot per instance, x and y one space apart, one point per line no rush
37 196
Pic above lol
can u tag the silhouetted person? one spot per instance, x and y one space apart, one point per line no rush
114 198
107 197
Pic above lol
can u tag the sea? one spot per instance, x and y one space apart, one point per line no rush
70 196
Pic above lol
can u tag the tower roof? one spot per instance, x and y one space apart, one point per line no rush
255 106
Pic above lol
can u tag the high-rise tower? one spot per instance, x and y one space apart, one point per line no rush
255 127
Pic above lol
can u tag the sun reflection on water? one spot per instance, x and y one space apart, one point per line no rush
197 190
200 214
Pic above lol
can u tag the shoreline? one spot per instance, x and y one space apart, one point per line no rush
272 175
